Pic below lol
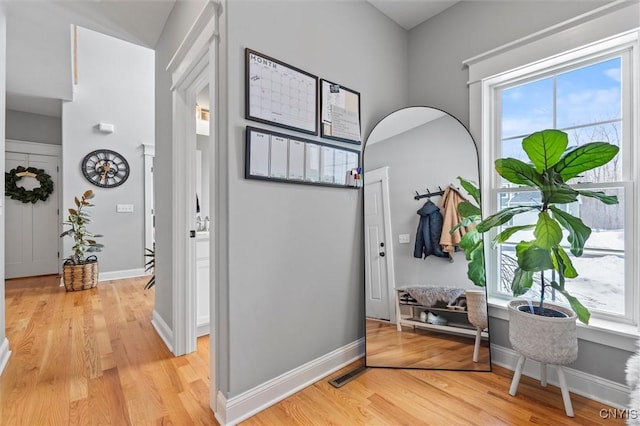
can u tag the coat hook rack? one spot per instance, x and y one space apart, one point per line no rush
428 194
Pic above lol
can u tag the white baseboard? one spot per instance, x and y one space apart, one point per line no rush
581 383
163 330
202 327
5 354
118 275
238 408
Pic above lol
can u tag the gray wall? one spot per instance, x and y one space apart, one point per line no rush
437 77
3 79
26 126
116 86
431 155
182 16
296 262
438 46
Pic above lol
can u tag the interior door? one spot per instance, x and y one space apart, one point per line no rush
32 230
376 252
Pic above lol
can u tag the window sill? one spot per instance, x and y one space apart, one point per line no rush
604 332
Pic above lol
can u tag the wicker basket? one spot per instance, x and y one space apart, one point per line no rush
80 277
545 339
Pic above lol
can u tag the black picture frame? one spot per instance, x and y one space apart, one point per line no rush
259 159
347 126
280 94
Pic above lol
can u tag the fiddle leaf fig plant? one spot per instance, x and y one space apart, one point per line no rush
471 242
552 165
83 241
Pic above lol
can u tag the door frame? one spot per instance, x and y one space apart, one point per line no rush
382 175
26 147
195 64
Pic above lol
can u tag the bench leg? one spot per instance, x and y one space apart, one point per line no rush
476 348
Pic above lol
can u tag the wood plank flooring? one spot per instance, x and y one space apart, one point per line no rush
93 357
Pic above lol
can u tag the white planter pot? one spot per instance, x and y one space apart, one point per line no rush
547 340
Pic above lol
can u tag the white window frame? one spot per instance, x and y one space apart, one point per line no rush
607 27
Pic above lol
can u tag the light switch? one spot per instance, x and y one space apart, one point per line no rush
124 208
404 238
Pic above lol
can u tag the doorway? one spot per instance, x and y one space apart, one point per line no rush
379 281
32 230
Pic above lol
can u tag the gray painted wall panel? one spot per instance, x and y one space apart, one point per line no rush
295 251
25 126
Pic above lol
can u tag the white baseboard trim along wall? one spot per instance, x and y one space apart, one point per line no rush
118 275
590 386
163 330
238 408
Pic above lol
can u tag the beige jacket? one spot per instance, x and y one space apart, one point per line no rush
450 218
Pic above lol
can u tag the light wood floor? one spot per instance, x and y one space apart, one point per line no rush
92 357
422 348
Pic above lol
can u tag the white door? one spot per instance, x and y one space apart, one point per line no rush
378 246
32 230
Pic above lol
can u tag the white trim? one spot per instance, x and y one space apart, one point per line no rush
221 412
202 329
382 175
118 275
12 145
581 383
238 408
149 152
5 354
163 330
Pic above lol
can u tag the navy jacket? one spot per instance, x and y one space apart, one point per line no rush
429 230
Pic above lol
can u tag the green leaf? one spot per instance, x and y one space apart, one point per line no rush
503 216
475 268
607 199
578 232
507 233
471 188
562 263
469 242
533 258
556 191
522 281
466 209
585 157
581 311
547 232
545 148
518 172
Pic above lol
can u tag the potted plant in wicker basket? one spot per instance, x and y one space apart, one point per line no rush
539 330
80 270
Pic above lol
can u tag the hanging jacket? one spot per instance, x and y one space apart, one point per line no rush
450 200
429 230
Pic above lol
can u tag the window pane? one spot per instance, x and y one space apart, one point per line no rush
589 94
527 108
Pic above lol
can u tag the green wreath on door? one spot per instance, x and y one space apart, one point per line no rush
11 188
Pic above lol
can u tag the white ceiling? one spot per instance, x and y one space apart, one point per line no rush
39 43
39 39
410 13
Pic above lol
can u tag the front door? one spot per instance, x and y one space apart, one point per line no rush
32 230
377 249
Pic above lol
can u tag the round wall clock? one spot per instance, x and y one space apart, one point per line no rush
105 168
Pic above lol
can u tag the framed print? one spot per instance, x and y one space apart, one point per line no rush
279 94
340 113
279 157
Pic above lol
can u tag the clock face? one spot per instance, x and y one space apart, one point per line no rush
105 168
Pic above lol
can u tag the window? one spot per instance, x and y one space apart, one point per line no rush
586 93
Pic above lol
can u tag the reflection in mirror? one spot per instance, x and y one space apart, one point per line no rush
421 309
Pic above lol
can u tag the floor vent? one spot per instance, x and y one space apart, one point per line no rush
348 376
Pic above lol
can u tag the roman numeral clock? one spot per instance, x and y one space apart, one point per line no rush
105 168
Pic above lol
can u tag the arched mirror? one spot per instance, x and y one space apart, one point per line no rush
422 311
